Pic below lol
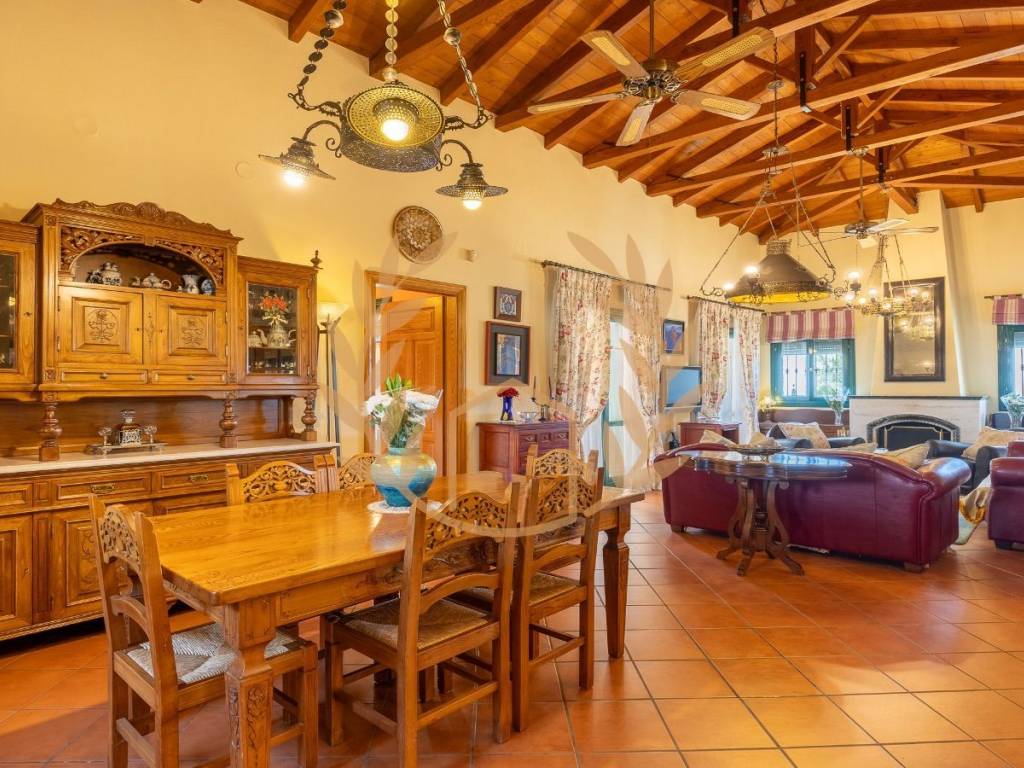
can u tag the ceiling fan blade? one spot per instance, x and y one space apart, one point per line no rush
882 226
728 53
737 109
636 124
543 107
605 43
913 231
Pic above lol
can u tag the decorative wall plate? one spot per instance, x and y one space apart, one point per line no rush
418 234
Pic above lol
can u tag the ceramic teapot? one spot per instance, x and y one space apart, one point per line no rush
257 338
190 283
152 281
108 274
279 338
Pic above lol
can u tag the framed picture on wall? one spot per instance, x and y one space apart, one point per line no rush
672 336
915 344
507 355
508 304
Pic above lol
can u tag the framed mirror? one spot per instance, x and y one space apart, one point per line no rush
915 344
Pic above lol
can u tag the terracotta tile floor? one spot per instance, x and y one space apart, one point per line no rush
857 664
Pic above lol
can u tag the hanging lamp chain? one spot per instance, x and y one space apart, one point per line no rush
453 36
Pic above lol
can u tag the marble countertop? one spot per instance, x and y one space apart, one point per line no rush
25 465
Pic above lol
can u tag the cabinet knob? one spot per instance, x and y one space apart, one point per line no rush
191 377
104 375
201 477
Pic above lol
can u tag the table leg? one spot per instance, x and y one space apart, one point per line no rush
736 522
749 530
248 627
778 548
616 578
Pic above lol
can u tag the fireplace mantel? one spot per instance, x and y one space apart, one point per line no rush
968 412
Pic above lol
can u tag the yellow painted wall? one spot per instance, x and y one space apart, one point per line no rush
171 101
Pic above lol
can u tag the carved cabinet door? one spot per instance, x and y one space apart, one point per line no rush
191 331
15 572
17 300
100 326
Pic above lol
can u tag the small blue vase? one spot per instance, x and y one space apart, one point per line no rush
403 475
506 409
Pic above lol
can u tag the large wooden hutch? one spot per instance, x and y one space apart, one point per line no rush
107 307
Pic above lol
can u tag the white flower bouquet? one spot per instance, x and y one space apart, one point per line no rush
400 412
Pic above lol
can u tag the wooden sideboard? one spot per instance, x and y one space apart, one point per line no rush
131 300
48 575
689 432
504 444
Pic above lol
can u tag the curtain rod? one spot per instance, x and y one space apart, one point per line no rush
547 263
1004 296
724 304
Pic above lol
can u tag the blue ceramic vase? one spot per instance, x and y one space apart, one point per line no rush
506 409
403 475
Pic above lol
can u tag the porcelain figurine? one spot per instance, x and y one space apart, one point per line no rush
108 274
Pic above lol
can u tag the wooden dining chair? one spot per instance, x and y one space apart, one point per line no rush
156 674
422 629
355 471
559 461
559 531
277 479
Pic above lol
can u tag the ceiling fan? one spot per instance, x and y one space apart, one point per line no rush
657 79
865 230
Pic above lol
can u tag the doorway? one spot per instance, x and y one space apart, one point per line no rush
416 328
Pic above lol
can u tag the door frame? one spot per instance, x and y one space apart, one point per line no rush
455 329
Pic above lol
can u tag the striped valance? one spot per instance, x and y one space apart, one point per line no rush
1008 310
810 324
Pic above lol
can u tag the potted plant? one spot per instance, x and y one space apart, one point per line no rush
506 396
1014 403
836 400
405 473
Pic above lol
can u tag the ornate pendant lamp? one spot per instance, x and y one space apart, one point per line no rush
888 297
779 278
390 127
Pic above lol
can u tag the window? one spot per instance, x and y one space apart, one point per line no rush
805 372
1010 341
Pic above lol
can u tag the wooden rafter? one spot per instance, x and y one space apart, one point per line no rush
302 18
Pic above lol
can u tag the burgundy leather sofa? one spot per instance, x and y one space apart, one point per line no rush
1006 505
881 509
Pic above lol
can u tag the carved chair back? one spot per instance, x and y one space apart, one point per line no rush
560 528
560 461
276 480
354 472
474 533
126 545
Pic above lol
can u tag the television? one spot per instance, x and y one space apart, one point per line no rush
680 386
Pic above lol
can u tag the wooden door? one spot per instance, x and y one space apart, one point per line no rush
15 572
99 326
413 345
191 331
74 578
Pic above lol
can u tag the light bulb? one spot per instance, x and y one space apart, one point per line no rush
849 298
914 291
728 286
853 276
751 270
862 301
471 203
872 292
394 129
293 178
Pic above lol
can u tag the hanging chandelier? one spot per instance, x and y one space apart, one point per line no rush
886 296
779 278
390 127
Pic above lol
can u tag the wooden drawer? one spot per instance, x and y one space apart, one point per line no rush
109 486
189 478
186 503
302 459
102 377
184 379
16 496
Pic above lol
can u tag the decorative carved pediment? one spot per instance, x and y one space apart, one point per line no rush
145 211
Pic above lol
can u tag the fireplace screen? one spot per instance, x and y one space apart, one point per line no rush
905 430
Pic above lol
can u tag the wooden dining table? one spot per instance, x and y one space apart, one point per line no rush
258 566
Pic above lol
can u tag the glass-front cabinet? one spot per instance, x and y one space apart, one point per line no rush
17 291
279 340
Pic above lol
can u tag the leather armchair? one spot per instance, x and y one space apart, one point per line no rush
979 465
1006 504
882 509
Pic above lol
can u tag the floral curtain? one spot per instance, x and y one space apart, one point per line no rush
581 318
714 321
747 324
641 319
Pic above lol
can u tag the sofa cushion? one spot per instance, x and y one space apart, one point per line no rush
912 457
989 436
860 447
810 432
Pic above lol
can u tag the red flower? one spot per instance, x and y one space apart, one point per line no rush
509 392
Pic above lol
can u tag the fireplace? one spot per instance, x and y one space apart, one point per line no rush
906 429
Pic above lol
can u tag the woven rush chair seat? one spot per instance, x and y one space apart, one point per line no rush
544 586
201 653
442 621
